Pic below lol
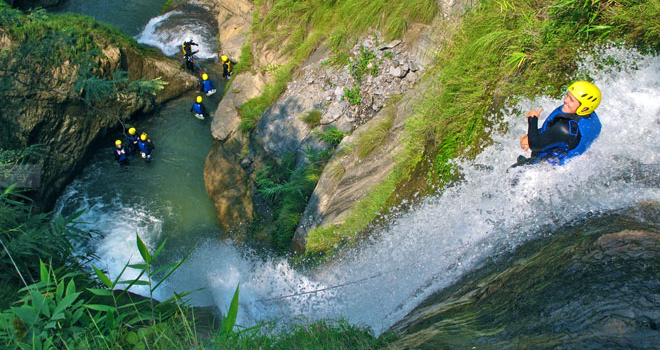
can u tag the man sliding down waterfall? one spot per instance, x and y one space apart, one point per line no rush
567 132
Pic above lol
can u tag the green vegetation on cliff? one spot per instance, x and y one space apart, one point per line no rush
297 28
501 49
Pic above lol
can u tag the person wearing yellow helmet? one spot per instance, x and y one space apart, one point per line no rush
568 131
132 140
145 146
207 85
120 153
227 66
198 109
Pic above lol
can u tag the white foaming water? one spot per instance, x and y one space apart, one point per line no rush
447 235
167 32
117 225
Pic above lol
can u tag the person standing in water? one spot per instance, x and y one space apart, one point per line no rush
227 66
198 109
568 131
145 146
120 153
132 140
188 53
207 85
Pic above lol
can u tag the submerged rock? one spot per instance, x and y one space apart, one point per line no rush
595 286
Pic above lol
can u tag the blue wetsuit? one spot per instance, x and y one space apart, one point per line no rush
120 156
132 143
146 147
199 109
561 137
207 86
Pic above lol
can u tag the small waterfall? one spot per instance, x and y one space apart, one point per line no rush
167 32
491 211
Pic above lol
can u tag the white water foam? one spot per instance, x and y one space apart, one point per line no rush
167 32
449 234
118 225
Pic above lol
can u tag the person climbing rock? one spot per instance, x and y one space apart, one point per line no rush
188 53
227 66
198 109
145 146
207 85
120 153
132 140
568 131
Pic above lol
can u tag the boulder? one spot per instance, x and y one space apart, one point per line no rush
226 119
228 185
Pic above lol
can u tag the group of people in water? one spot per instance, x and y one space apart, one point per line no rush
141 143
135 144
206 85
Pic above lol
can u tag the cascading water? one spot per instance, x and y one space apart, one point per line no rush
489 212
167 32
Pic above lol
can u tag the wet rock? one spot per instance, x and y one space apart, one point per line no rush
227 184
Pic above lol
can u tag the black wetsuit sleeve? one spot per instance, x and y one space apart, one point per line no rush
559 134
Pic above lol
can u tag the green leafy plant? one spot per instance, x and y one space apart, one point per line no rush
332 135
365 63
353 95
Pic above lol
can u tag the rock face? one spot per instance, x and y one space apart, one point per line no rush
347 98
595 286
349 178
227 182
68 129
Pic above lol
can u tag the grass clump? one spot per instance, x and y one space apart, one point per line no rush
312 118
374 137
287 187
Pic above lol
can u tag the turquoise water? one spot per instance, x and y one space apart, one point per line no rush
128 15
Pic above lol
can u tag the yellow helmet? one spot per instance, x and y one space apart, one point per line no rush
118 143
199 99
205 76
143 137
224 58
131 131
588 94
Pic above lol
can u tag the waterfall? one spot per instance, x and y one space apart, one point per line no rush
491 211
167 32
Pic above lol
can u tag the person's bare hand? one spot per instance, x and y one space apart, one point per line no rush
534 113
524 142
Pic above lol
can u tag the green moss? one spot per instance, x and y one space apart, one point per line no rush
66 37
